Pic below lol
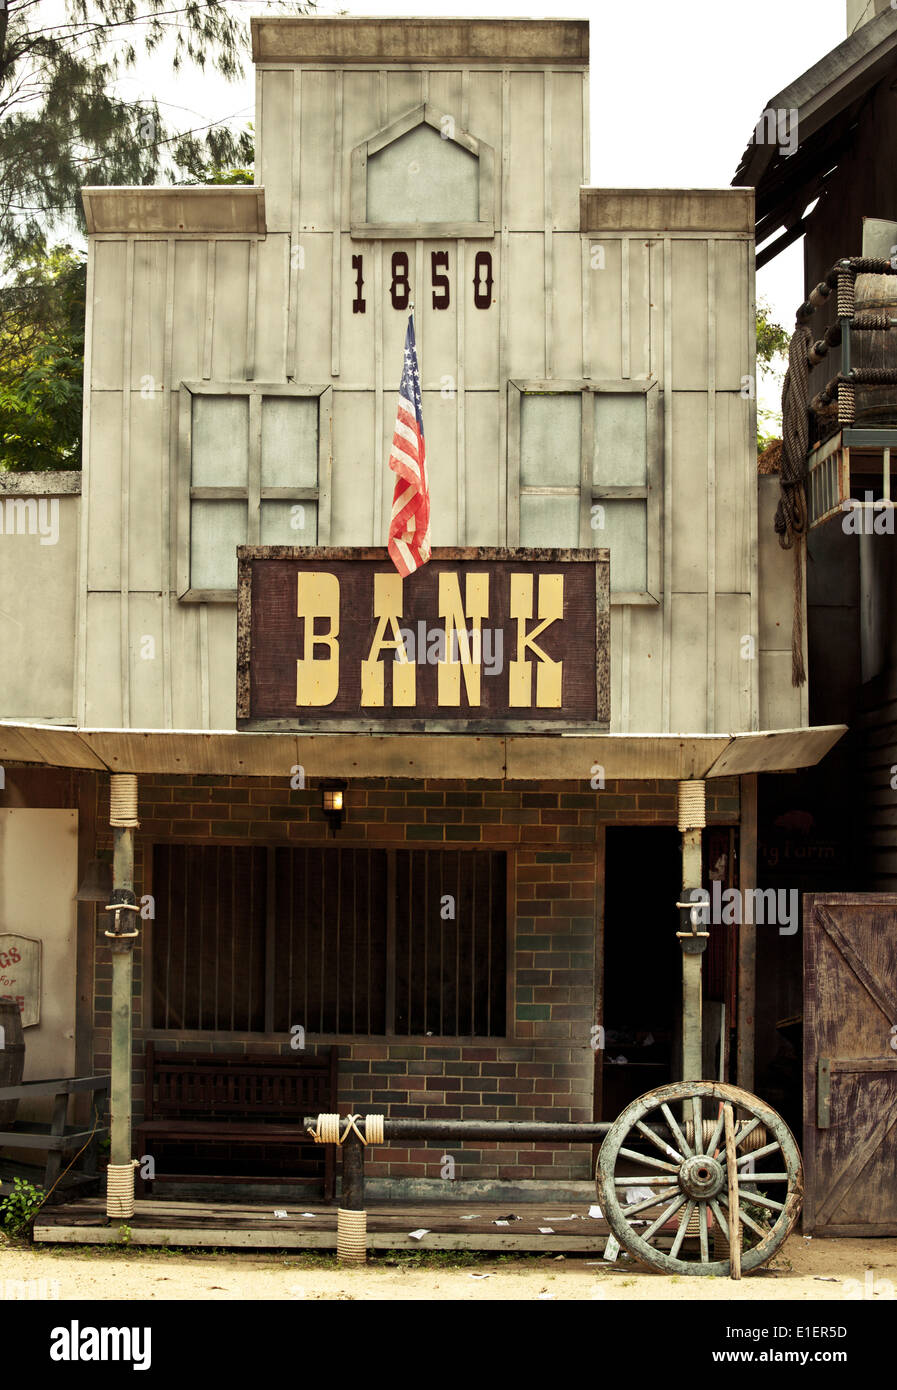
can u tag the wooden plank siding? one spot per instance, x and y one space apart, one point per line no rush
671 302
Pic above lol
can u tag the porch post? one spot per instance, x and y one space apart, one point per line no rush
351 1217
692 818
747 937
122 933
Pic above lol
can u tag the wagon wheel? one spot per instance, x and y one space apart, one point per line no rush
672 1230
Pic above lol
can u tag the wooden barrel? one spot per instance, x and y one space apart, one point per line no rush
876 406
12 1057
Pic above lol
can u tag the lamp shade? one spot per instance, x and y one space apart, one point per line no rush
96 886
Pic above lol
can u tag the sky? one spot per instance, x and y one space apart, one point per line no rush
676 87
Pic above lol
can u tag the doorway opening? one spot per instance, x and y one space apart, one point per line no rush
643 964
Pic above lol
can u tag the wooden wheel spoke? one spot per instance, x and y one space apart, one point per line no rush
763 1177
655 1139
649 1161
683 1227
659 1181
664 1216
644 1205
680 1137
718 1213
742 1134
746 1220
764 1201
759 1153
717 1135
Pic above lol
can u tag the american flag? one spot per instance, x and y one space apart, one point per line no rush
409 525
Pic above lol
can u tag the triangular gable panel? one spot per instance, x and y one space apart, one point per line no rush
423 176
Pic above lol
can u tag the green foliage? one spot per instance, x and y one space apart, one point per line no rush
772 349
124 1234
208 172
230 176
20 1206
772 338
42 360
64 122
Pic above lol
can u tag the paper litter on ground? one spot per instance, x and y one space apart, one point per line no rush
418 1235
637 1194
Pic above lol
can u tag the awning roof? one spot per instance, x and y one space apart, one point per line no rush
669 757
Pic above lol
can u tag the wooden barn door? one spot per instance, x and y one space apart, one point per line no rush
850 1063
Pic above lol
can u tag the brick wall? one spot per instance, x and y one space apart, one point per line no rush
544 1068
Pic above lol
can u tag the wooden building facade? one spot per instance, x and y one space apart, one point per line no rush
468 938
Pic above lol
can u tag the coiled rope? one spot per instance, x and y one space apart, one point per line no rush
120 1188
351 1236
327 1129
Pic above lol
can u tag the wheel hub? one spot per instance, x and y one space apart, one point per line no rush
701 1177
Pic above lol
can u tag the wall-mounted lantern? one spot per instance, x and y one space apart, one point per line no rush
332 803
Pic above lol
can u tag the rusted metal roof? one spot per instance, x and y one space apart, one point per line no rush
827 99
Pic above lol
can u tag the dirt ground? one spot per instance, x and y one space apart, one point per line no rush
805 1270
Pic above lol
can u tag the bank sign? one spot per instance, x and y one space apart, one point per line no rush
500 640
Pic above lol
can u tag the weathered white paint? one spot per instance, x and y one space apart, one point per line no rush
39 542
588 286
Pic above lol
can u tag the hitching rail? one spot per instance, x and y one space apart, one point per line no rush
491 1131
537 1131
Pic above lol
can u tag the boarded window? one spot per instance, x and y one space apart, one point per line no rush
589 475
356 942
254 463
550 440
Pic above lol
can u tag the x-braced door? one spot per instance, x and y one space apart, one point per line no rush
850 1063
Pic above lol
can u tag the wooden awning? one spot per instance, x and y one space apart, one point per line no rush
525 757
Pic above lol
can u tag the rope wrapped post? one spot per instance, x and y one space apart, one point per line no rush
846 292
351 1217
120 1189
692 819
846 403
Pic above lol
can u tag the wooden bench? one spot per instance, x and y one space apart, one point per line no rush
58 1138
203 1098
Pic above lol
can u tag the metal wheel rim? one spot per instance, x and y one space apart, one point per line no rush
679 1097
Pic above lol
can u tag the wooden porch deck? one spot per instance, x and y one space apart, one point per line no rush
458 1225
